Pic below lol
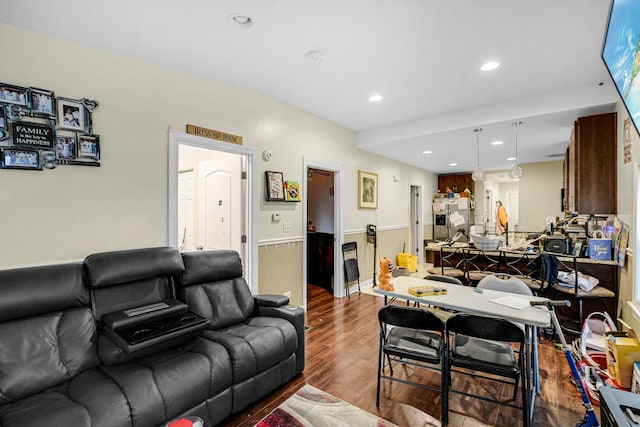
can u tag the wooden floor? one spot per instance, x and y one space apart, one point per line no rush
341 359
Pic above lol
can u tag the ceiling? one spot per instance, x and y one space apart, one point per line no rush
422 56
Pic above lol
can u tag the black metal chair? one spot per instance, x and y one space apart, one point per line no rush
416 338
351 271
483 344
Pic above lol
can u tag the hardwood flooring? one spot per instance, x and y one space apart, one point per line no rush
341 359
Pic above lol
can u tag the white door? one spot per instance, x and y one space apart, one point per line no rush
220 204
185 211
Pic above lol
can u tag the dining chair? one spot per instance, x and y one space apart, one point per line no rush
412 336
351 271
505 283
491 346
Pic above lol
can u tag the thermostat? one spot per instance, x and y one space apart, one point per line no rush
276 217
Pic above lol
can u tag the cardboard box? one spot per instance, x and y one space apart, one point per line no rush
622 352
635 382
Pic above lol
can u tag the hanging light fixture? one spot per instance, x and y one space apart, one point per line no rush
516 171
478 174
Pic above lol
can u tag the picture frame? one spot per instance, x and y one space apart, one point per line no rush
66 146
88 147
42 102
17 95
21 158
274 186
367 190
292 191
71 114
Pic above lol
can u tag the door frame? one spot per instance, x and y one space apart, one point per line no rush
338 226
251 214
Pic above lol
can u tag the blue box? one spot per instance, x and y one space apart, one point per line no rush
600 249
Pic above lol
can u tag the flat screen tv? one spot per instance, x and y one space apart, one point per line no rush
621 53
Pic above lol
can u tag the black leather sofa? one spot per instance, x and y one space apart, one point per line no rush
138 338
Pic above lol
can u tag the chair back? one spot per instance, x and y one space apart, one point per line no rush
505 283
350 257
444 279
488 328
410 317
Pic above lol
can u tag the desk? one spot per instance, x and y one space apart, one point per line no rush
465 299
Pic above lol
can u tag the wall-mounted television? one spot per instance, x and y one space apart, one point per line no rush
621 53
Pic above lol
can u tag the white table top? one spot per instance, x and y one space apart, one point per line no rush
466 300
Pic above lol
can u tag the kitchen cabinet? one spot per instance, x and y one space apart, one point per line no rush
590 166
457 182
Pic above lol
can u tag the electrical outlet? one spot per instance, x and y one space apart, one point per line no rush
286 227
287 294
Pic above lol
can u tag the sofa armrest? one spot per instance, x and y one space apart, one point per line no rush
270 300
295 315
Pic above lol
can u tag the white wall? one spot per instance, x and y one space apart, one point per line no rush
72 211
320 203
540 190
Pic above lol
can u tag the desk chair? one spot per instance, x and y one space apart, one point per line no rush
504 282
483 344
416 338
351 271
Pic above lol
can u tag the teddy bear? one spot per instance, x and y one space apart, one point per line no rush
384 281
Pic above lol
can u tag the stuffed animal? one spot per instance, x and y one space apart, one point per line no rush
384 281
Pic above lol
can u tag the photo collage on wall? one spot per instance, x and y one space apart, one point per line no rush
39 130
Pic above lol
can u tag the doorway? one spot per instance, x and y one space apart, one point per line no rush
210 201
320 228
326 212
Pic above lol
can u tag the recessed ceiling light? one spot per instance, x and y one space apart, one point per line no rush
511 158
240 20
491 65
453 164
427 152
497 143
375 98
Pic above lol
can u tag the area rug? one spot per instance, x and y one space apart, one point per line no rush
310 407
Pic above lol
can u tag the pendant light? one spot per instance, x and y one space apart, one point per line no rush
478 174
516 171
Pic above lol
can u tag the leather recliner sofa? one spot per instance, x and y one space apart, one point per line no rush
138 338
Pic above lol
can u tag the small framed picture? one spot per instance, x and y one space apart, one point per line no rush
71 115
66 147
42 103
15 158
275 189
10 94
88 147
292 191
367 190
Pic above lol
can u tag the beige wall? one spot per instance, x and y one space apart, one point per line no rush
540 194
67 213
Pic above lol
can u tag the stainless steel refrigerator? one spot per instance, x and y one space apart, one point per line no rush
449 216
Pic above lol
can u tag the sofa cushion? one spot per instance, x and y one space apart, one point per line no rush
37 290
44 351
223 303
256 345
162 386
118 267
210 266
90 399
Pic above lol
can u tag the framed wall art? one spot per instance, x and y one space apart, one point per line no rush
274 186
292 191
42 103
66 147
17 95
16 158
367 190
71 115
88 147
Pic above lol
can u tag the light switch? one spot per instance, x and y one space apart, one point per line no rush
286 227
